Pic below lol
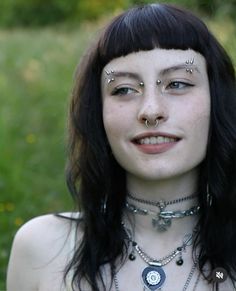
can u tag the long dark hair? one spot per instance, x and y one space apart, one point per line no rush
95 178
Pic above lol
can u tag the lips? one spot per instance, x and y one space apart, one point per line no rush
155 138
155 142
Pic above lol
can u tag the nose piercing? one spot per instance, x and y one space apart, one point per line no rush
148 123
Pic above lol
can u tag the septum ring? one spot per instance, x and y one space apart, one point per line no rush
147 122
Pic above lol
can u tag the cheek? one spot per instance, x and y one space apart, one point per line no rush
198 124
113 119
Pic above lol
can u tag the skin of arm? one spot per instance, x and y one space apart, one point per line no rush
38 248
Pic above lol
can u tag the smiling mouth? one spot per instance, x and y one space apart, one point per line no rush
156 140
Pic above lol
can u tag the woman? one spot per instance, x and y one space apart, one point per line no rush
151 166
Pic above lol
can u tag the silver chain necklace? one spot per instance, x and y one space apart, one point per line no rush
153 276
161 220
187 241
161 202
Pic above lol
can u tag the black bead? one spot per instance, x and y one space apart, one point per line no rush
132 257
179 249
179 262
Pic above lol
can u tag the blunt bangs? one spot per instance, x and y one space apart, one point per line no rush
152 26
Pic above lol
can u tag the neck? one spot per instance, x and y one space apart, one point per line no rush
165 190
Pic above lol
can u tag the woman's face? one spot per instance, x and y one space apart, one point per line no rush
170 86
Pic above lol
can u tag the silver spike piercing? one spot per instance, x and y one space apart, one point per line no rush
112 79
189 62
189 71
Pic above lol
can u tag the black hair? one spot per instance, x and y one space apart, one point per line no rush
94 176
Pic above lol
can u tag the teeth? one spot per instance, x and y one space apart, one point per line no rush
156 140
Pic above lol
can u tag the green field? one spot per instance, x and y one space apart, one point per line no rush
36 75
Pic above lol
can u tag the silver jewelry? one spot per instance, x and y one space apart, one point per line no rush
162 220
189 62
161 202
112 79
147 122
153 275
185 287
187 241
141 84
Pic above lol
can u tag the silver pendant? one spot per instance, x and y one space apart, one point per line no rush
161 224
153 278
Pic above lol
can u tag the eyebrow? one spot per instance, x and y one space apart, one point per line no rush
130 75
179 67
163 72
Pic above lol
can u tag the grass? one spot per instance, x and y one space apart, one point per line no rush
36 75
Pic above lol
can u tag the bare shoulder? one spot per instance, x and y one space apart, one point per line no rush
42 243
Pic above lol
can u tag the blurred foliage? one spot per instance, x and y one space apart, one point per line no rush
44 12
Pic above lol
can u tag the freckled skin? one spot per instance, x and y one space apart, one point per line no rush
184 112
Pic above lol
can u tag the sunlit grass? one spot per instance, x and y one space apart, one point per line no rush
36 75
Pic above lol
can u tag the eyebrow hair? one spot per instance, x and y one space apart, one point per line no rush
130 75
163 72
179 67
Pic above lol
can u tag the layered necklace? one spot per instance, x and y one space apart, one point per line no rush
161 219
153 276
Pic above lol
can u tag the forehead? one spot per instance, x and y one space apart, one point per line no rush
159 59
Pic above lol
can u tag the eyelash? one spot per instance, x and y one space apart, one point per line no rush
183 85
118 91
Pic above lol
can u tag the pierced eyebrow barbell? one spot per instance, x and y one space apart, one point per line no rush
112 79
191 62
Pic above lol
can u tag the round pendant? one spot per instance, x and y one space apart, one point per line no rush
153 277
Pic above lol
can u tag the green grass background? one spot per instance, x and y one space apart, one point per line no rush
36 76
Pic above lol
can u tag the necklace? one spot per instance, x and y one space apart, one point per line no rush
153 276
159 203
162 220
185 287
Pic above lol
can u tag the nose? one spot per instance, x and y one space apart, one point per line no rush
153 109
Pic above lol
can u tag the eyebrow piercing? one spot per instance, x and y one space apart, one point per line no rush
189 62
189 71
109 72
109 80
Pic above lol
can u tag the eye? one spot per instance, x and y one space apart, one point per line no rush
179 85
123 91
